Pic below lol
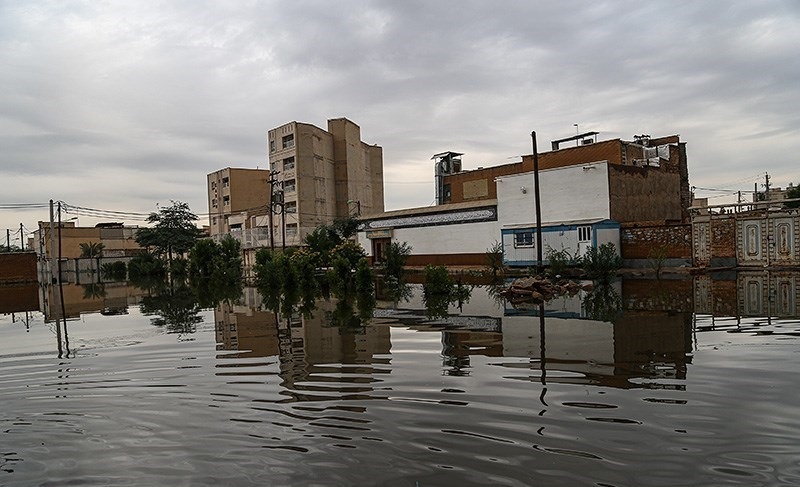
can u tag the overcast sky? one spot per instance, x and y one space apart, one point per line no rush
123 105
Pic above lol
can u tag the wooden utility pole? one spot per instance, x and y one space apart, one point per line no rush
8 239
538 204
21 239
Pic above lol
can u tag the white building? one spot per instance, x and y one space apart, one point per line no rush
575 208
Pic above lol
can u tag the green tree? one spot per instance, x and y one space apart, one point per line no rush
173 231
793 192
494 258
397 255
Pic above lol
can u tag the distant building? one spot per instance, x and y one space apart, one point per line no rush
320 175
236 198
118 240
324 175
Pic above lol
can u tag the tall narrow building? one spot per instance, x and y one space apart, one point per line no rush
324 175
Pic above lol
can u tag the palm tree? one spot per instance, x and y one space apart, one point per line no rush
92 250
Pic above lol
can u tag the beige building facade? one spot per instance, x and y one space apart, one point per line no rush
236 197
324 174
319 176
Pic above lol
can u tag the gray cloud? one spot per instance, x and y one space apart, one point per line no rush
120 105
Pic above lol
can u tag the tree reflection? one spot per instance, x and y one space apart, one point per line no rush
603 304
440 291
94 291
176 309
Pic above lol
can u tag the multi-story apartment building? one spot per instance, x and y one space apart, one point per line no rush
320 175
324 175
236 196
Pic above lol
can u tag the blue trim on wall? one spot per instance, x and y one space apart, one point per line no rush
600 225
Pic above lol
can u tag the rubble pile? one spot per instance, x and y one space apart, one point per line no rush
541 289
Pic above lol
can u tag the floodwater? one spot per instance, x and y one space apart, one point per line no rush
677 382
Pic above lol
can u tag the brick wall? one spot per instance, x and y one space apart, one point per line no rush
723 238
19 298
639 240
18 267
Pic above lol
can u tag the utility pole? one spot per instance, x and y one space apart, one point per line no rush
273 175
21 239
766 186
538 204
8 239
53 277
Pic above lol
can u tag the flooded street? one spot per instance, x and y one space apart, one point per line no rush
673 382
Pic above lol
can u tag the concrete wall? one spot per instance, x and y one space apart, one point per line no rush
457 244
566 194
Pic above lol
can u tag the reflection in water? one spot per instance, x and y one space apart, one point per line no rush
175 308
487 393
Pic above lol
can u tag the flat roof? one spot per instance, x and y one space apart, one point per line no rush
466 205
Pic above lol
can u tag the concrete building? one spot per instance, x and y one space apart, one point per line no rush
236 196
587 193
324 175
119 244
320 175
649 177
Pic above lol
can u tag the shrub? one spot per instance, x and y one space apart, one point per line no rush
560 260
601 263
494 258
396 257
656 258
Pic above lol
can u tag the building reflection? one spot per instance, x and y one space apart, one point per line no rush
107 298
303 344
645 343
762 293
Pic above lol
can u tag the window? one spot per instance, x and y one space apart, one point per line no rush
291 229
214 219
225 182
226 200
288 163
289 186
214 202
272 146
447 193
585 234
290 207
213 184
523 239
288 141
